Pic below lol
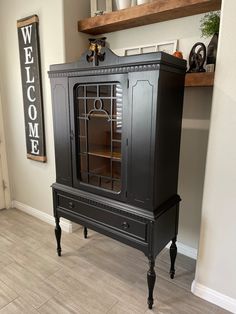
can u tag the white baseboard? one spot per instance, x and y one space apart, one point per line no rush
214 297
185 250
66 225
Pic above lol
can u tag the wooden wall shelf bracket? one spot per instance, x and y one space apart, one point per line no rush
204 79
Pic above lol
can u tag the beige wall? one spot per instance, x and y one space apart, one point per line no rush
186 30
197 106
194 139
5 187
30 181
217 251
75 42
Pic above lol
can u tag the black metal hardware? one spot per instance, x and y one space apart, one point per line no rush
72 135
125 225
71 205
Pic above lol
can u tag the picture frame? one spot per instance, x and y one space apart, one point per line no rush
99 7
167 46
31 78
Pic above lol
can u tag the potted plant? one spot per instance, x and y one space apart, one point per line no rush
210 25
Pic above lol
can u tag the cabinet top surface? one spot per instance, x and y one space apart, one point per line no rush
108 60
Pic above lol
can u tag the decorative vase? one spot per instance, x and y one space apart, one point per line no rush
211 53
142 1
122 4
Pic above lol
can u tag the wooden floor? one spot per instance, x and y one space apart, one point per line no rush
97 275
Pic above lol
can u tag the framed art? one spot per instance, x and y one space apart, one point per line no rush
99 7
167 46
29 51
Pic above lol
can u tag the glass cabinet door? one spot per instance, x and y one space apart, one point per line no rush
98 129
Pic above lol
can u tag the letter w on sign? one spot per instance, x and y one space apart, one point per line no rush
32 87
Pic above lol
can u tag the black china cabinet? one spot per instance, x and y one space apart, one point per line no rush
117 127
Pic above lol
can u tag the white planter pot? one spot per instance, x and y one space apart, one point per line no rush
142 1
122 4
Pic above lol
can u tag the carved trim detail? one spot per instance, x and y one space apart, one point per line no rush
111 70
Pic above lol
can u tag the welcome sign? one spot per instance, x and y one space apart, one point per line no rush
32 87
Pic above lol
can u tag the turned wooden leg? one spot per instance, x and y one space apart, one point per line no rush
151 279
173 253
85 232
58 235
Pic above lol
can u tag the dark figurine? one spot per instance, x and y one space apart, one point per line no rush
211 53
95 49
197 58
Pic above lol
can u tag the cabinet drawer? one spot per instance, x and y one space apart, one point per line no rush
104 217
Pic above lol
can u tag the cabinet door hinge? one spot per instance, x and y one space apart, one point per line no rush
126 193
71 135
4 185
127 142
128 83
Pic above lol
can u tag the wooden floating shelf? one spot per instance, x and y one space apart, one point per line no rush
156 11
199 79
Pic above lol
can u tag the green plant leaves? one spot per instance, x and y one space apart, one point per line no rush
210 24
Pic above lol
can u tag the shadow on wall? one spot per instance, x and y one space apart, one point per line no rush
194 140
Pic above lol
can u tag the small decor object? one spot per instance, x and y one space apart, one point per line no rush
95 48
211 53
210 25
99 7
197 58
99 13
178 54
122 4
32 87
142 1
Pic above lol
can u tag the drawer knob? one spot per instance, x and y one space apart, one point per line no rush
71 205
125 225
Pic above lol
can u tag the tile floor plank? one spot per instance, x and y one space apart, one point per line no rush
97 275
37 264
79 293
18 306
7 295
61 304
28 285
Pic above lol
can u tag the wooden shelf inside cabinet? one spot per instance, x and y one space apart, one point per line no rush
106 154
156 11
100 115
199 79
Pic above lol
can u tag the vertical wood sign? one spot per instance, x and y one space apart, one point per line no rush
32 87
